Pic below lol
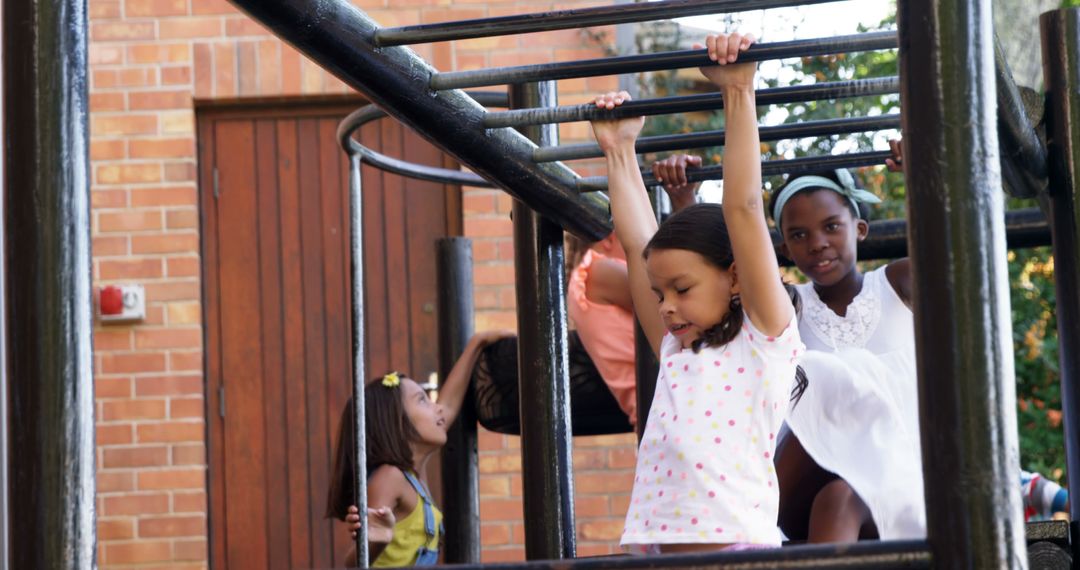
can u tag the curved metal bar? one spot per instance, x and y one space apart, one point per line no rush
658 61
368 113
716 138
768 168
1023 154
567 19
692 103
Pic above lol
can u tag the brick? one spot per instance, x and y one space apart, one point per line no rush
107 101
243 26
503 463
501 510
190 478
492 555
493 486
115 481
489 440
488 227
121 31
225 69
183 147
189 454
193 502
177 291
126 124
152 8
159 100
624 458
172 242
112 387
139 552
204 70
619 505
115 529
103 10
107 149
591 507
601 483
179 123
139 456
626 439
584 459
609 530
168 386
185 361
169 432
117 434
183 313
137 77
163 196
140 409
182 219
182 408
180 171
146 338
131 220
159 53
104 246
194 27
114 198
494 534
178 75
112 339
493 274
269 67
135 269
133 363
128 173
201 7
189 549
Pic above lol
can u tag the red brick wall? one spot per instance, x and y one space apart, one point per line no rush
150 61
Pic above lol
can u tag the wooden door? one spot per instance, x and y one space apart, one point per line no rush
275 227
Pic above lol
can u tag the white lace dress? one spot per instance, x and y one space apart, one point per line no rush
859 415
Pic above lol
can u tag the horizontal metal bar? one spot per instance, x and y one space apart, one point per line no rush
657 61
768 168
887 239
358 118
716 138
691 103
576 18
868 554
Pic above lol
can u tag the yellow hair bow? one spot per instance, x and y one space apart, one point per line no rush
391 380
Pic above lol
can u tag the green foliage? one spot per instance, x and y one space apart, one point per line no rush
1070 3
1030 271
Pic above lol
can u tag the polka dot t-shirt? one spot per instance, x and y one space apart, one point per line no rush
705 467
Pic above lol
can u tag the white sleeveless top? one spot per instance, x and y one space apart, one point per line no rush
859 415
705 468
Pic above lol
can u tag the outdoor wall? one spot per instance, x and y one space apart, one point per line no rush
151 60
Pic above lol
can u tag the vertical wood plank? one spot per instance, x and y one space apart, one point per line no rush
397 256
377 343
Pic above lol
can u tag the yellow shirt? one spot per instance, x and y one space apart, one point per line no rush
409 536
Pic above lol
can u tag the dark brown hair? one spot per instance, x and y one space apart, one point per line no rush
701 228
389 433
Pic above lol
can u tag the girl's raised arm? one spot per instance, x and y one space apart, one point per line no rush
452 390
764 299
635 221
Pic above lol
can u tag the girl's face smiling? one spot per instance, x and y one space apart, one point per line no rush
426 416
821 236
693 294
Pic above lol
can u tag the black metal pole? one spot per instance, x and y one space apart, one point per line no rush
1061 73
658 61
543 364
574 18
460 463
1023 154
340 38
47 284
967 397
768 168
359 379
661 143
691 103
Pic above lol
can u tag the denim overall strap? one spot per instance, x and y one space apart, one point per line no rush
424 555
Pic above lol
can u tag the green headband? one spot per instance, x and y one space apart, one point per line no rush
846 188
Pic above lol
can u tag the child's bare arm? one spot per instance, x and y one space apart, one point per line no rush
609 283
763 296
635 221
452 391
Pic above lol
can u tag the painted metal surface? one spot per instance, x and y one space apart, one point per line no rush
1061 65
340 38
967 397
359 380
658 61
573 18
543 364
47 284
460 463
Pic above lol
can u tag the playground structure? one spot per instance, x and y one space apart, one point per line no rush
956 229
